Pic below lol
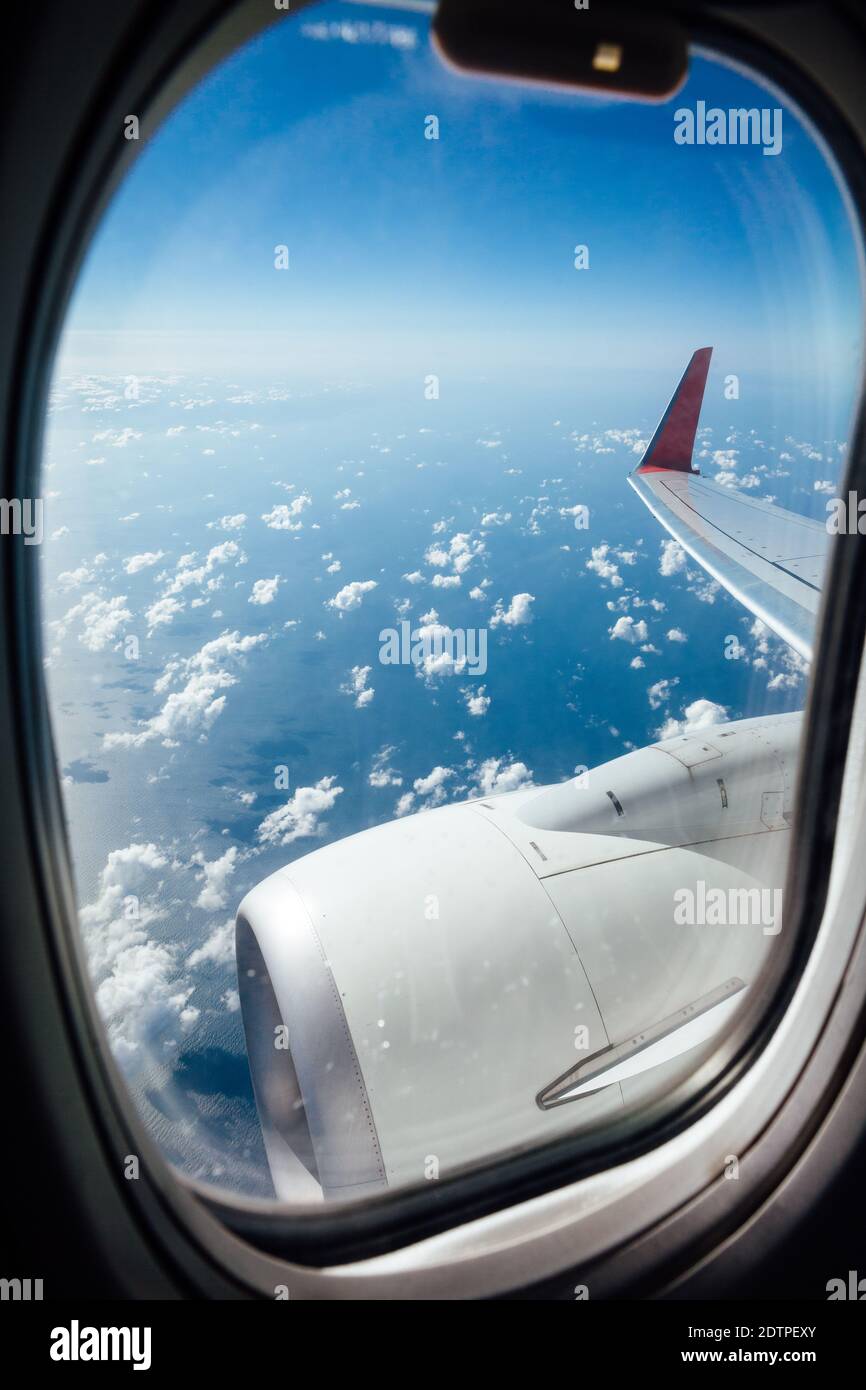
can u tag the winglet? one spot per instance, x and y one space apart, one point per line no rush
670 448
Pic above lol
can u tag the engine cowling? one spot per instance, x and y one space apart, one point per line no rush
412 994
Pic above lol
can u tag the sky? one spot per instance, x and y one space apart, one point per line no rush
458 252
247 479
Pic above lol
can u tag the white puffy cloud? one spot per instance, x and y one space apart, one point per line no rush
285 516
188 573
84 574
143 1000
194 708
627 630
430 789
300 818
700 714
215 874
659 693
517 614
672 558
676 634
460 551
101 620
143 561
125 872
161 613
601 564
381 775
219 949
264 590
495 776
477 702
433 785
351 596
118 439
358 687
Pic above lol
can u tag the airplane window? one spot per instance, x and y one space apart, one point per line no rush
439 480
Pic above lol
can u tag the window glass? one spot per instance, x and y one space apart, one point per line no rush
353 621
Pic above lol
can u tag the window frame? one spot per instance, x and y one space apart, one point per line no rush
554 1186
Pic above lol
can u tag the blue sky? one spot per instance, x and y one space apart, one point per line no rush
406 251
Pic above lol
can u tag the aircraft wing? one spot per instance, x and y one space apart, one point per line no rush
771 559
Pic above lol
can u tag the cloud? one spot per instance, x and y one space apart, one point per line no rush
627 630
118 439
416 577
215 875
101 620
264 590
229 523
381 775
517 614
430 789
300 819
219 949
672 558
143 561
660 693
459 553
604 567
285 515
495 776
676 634
700 714
161 613
194 708
351 596
143 1000
357 686
84 574
188 573
477 702
126 871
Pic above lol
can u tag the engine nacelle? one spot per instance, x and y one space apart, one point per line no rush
488 976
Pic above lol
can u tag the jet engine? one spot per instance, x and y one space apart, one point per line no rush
488 976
